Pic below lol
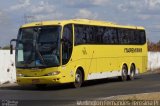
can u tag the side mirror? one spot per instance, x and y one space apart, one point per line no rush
11 46
11 49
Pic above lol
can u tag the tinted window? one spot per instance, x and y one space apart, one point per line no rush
95 35
123 35
100 34
106 35
80 37
142 37
131 37
67 45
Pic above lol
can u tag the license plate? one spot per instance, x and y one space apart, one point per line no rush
35 81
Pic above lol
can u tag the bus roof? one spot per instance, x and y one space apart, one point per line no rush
81 21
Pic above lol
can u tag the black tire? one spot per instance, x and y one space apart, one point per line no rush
78 79
124 75
132 73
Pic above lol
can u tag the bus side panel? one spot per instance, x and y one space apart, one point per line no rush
103 61
83 56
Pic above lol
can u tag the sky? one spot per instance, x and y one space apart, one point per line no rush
14 13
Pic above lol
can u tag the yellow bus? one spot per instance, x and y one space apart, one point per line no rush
77 50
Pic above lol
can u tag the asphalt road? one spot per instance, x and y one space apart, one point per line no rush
65 94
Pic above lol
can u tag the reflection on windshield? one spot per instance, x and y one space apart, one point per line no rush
38 47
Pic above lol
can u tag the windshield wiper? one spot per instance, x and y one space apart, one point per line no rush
37 31
41 57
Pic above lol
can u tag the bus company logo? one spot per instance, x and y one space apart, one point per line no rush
84 51
132 50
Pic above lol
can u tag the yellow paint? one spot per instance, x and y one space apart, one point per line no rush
92 58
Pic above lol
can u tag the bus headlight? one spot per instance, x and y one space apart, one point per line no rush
53 73
20 75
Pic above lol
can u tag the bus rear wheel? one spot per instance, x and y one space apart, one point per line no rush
123 77
78 79
132 73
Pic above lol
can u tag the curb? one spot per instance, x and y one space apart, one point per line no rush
8 84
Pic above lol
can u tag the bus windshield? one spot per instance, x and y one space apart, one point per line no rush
38 47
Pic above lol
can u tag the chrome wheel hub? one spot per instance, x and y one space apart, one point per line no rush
77 78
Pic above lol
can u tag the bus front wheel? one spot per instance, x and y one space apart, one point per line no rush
78 79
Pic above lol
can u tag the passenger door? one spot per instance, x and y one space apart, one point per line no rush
67 44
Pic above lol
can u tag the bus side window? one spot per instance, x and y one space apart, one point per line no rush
125 36
142 37
98 34
137 36
106 36
121 36
80 34
114 38
92 35
131 37
67 45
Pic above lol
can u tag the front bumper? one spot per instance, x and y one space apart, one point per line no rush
38 80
